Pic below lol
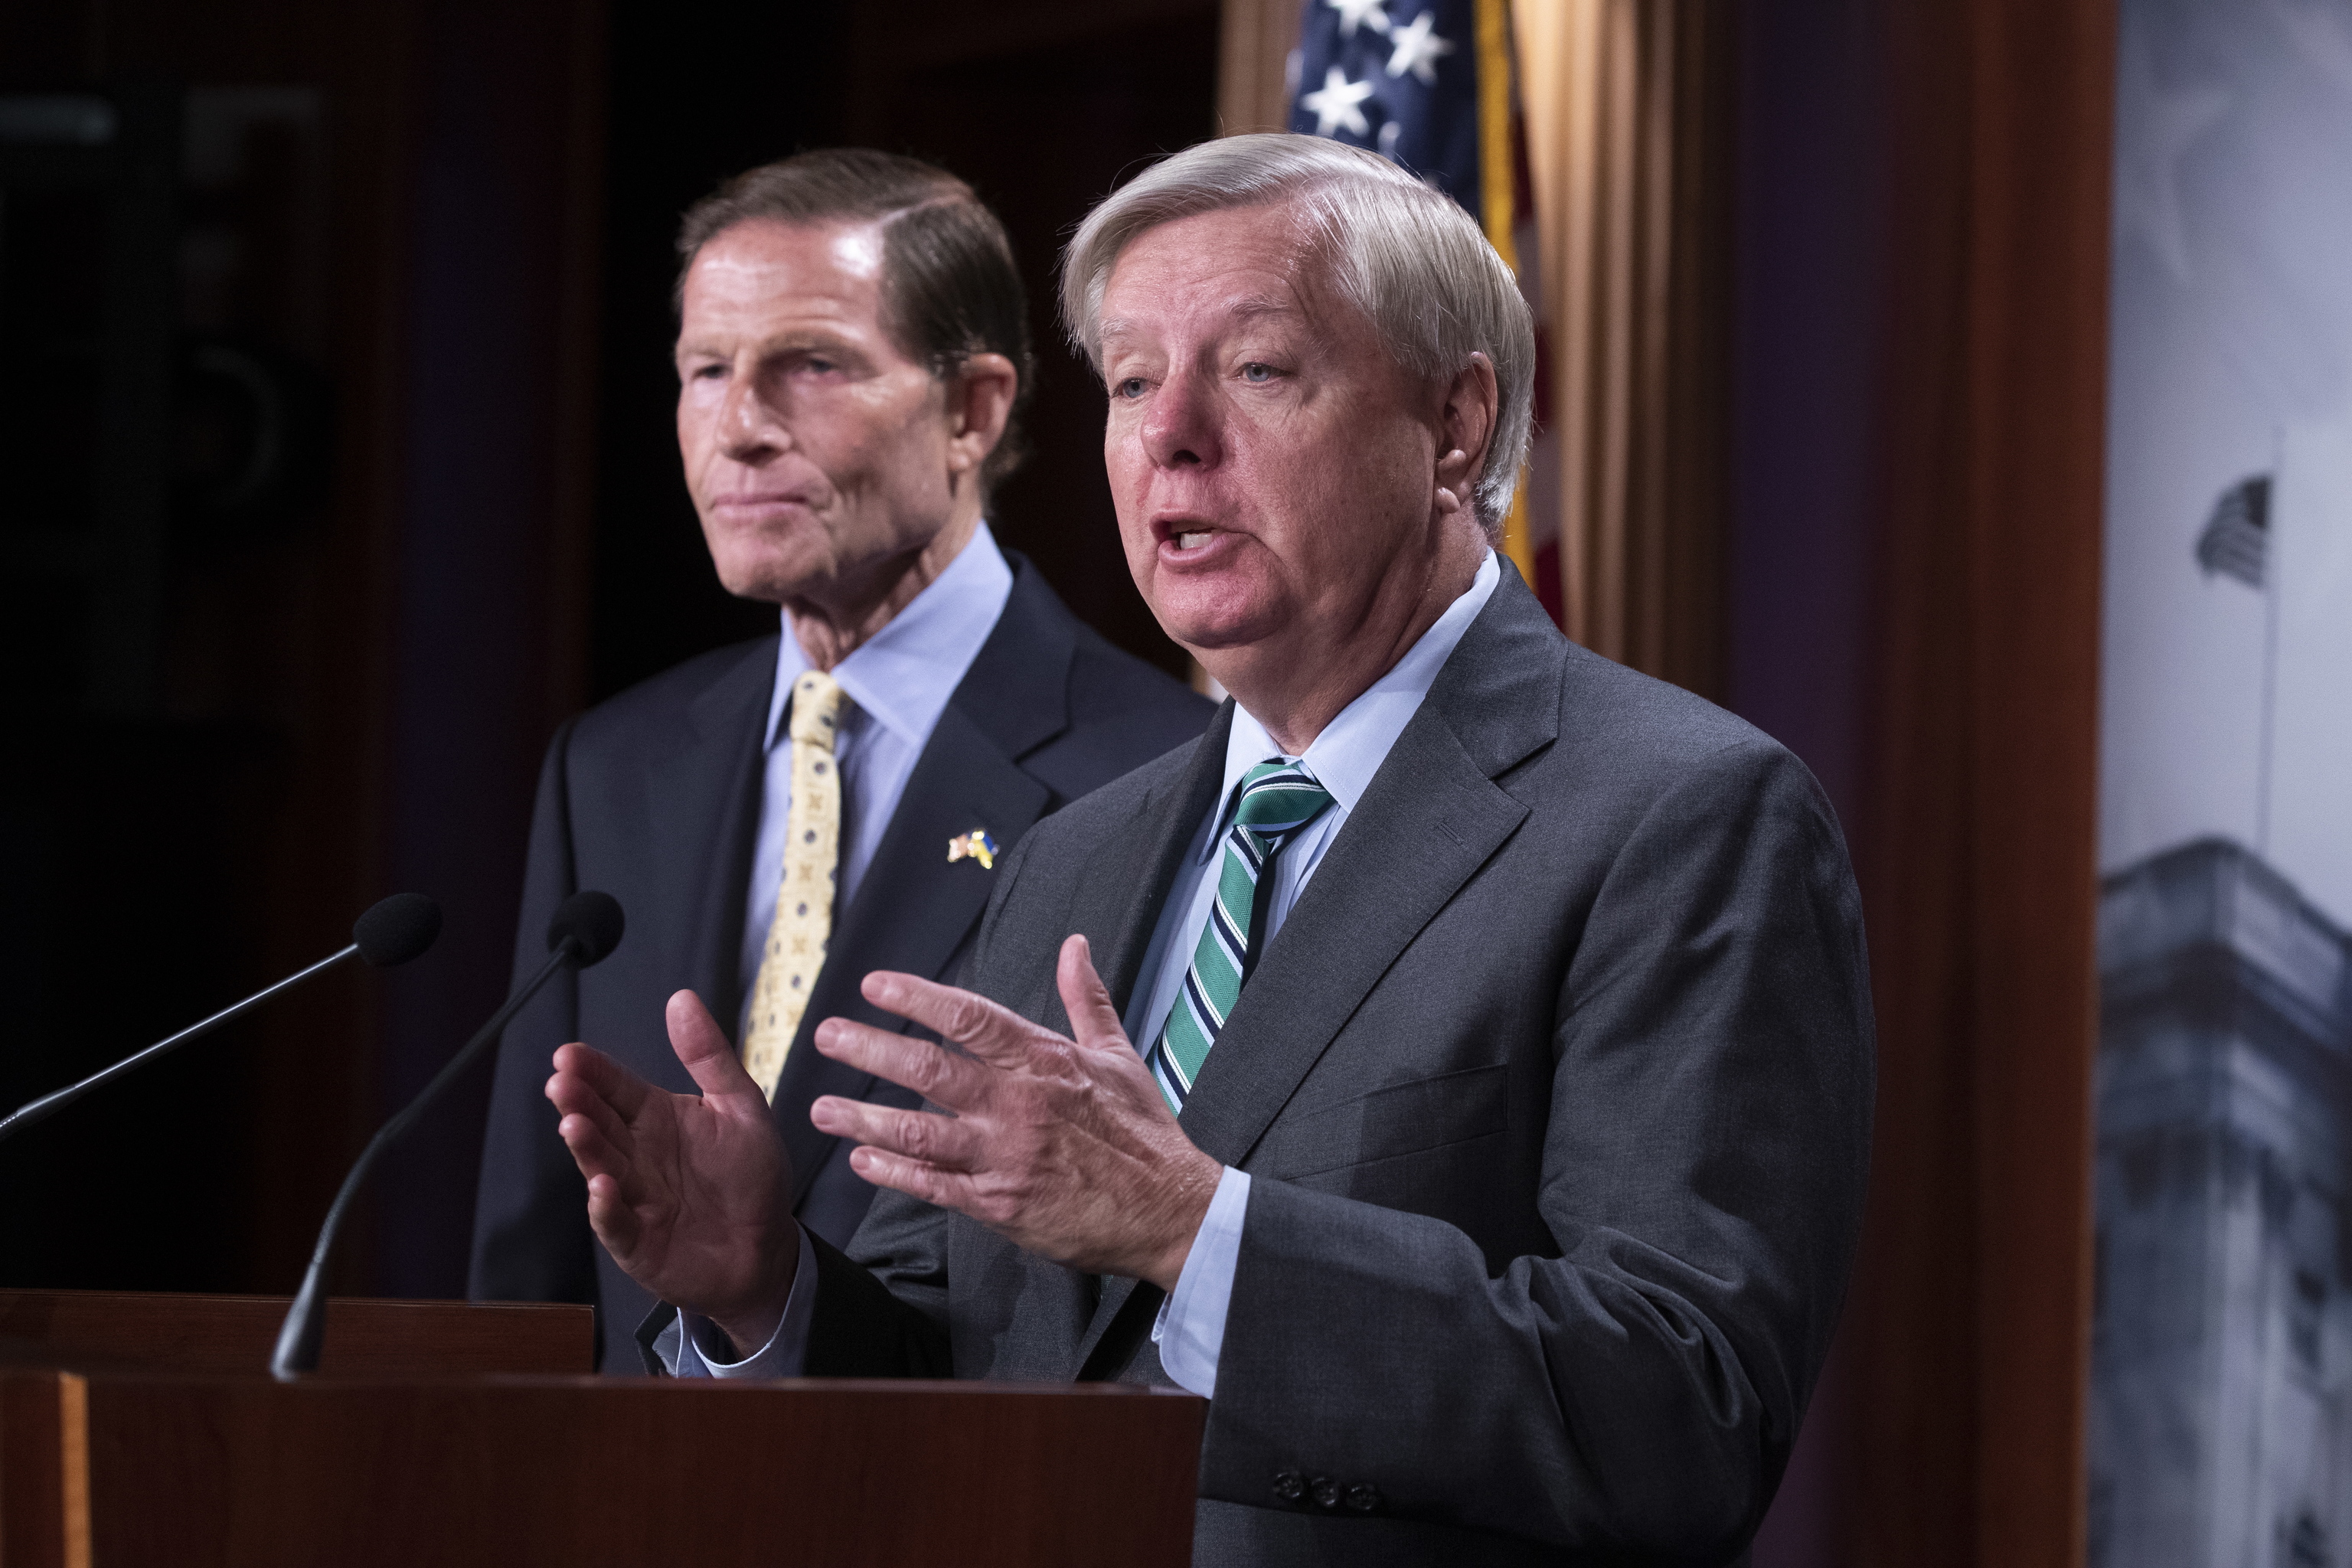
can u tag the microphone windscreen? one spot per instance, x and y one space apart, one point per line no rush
590 919
397 929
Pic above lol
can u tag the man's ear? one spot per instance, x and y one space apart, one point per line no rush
979 406
1466 421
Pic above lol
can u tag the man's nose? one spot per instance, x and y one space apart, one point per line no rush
1183 425
746 427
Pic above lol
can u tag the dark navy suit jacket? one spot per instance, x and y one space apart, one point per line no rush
654 798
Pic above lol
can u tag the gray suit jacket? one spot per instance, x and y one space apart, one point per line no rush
1555 1091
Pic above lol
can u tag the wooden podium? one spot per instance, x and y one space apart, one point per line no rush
142 1430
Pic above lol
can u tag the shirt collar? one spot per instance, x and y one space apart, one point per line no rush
1351 748
903 675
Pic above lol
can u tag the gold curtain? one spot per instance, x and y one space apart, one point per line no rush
1627 120
1255 38
1626 107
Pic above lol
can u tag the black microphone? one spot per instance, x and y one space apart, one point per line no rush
392 931
586 928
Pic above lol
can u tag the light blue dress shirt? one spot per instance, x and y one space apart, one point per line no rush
1191 1328
897 682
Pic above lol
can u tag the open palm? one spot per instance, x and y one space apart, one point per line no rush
690 1194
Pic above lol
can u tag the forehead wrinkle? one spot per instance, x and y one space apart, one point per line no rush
1256 307
826 331
1249 307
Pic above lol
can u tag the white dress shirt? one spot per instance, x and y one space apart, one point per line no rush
897 682
1191 1328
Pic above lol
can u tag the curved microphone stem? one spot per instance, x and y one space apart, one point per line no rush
306 1319
50 1104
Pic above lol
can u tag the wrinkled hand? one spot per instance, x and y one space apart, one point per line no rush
691 1194
1065 1147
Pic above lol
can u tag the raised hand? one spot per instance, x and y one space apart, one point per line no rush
1062 1146
690 1194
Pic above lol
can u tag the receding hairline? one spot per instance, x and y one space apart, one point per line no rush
879 274
1311 264
956 195
947 192
1312 255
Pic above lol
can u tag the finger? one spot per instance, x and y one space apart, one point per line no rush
992 1033
922 1135
922 1066
948 1189
573 1096
709 1056
575 1103
614 1223
623 1090
1093 1019
595 1153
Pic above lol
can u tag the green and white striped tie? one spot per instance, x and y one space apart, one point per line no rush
1278 799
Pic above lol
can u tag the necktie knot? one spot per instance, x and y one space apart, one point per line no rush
1278 799
816 709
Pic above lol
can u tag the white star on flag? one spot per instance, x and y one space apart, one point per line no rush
1355 13
1334 104
1418 49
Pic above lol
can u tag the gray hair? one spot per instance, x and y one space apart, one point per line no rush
1401 252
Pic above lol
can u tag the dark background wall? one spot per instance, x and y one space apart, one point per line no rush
446 232
1803 574
443 231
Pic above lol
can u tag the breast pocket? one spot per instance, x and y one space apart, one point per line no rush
1396 1119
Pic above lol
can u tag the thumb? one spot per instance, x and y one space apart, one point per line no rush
1093 1020
707 1055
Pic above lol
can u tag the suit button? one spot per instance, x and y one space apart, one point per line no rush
1290 1486
1363 1497
1325 1490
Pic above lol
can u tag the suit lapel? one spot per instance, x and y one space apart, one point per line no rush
914 909
1495 702
703 807
1431 818
1119 909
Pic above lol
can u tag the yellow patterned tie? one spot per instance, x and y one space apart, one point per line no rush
804 922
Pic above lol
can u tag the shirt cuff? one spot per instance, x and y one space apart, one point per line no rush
692 1344
1191 1328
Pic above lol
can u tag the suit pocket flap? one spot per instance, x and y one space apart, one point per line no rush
1400 1119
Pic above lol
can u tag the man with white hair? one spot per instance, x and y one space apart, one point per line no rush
1456 1065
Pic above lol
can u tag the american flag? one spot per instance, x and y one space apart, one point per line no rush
1399 76
2236 540
1428 84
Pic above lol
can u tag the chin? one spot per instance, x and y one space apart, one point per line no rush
1206 615
767 576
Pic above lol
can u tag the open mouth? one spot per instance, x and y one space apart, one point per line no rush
1184 534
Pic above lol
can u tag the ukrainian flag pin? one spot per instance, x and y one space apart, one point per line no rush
973 845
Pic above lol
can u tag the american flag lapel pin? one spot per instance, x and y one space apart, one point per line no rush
973 845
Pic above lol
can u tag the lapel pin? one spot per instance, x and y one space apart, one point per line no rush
974 845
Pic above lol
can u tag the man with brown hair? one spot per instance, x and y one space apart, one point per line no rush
780 817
